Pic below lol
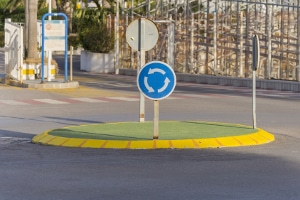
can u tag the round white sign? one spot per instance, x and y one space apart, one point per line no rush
142 34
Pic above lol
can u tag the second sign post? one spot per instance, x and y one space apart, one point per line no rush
156 80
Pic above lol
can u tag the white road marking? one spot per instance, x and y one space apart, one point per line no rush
171 98
51 101
89 100
123 98
197 96
13 102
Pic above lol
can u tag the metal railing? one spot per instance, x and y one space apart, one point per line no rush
14 50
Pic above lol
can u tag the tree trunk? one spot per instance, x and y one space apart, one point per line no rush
32 30
26 25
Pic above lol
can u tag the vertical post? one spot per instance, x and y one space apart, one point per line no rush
269 37
207 39
142 98
242 67
191 64
124 50
215 43
298 43
148 8
20 53
171 44
131 53
26 23
71 63
247 39
142 63
255 65
66 47
49 51
43 51
254 99
156 120
237 53
117 39
187 36
280 70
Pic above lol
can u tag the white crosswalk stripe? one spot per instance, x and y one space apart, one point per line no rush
172 97
51 101
13 102
89 100
123 98
196 96
269 95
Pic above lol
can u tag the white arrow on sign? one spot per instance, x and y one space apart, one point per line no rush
167 81
152 71
150 89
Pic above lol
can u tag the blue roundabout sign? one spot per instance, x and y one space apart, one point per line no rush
156 80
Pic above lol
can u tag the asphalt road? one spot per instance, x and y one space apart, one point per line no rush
29 171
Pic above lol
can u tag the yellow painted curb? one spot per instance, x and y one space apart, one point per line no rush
31 71
258 138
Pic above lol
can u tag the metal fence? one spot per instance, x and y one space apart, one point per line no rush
215 36
13 49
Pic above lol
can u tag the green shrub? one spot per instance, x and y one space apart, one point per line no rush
73 40
91 25
97 39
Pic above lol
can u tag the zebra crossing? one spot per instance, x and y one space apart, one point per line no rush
78 100
65 101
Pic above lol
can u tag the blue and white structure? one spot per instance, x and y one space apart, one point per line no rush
156 80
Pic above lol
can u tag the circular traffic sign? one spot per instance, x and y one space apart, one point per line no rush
142 34
156 80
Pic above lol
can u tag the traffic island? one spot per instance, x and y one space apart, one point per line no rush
139 135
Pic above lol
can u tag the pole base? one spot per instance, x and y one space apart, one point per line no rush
155 137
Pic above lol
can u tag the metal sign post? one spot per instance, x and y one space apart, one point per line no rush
156 120
142 59
255 65
142 35
49 52
156 81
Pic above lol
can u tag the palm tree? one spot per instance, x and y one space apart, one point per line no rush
31 20
13 4
67 7
32 30
30 23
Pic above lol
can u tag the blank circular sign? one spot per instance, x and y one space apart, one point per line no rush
142 34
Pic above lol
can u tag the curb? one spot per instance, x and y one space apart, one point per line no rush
257 138
45 85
